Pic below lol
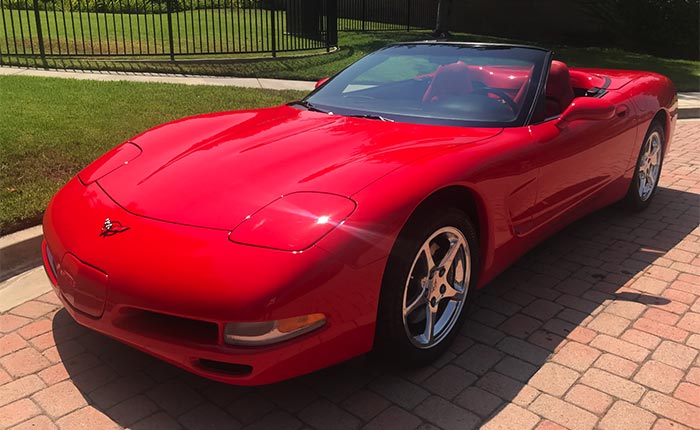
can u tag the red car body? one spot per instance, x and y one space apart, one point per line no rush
180 261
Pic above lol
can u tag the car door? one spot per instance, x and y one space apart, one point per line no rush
578 159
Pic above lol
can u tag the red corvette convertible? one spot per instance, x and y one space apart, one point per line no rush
254 246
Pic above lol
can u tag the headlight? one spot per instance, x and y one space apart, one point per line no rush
111 161
267 332
293 222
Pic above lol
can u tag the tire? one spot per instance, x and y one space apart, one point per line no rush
647 171
412 290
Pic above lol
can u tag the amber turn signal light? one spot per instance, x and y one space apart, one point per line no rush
269 332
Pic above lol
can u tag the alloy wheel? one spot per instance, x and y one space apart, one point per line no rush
436 288
649 166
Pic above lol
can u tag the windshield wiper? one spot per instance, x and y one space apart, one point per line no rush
308 105
372 116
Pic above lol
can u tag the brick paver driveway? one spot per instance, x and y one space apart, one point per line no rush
599 327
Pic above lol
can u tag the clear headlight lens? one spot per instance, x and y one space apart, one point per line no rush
268 332
293 222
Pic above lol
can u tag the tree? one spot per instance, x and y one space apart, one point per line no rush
667 28
443 18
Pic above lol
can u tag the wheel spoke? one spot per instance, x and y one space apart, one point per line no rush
642 182
425 250
651 179
656 155
417 302
653 150
449 258
453 292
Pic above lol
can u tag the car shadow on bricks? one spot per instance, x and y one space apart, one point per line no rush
557 337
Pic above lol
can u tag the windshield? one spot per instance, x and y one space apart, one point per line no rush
432 83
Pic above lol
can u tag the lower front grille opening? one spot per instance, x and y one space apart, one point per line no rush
231 369
157 325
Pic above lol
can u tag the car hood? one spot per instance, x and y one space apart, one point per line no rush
214 170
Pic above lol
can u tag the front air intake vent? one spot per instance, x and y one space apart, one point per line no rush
231 369
157 325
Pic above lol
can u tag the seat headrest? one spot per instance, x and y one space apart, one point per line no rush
559 91
450 79
559 78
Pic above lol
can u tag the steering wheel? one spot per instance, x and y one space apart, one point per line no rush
501 95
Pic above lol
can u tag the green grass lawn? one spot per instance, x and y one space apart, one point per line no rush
194 31
52 128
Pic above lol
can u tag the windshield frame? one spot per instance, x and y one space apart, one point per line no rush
535 86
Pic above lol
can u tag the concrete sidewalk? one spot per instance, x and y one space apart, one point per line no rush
689 102
270 84
688 105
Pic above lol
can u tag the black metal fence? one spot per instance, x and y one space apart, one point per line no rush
386 15
144 28
182 28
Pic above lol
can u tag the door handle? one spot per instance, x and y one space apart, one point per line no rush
621 111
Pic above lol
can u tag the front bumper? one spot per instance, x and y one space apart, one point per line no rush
169 289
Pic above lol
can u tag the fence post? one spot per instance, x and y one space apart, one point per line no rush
39 35
170 29
331 24
408 15
273 29
363 15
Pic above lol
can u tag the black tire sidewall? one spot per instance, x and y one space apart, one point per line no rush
391 339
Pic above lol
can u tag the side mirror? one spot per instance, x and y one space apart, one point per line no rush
321 82
589 108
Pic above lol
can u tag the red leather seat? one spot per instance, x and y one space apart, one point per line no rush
450 80
558 93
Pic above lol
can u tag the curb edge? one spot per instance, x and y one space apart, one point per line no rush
20 251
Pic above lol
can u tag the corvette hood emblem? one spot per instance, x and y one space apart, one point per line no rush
110 228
